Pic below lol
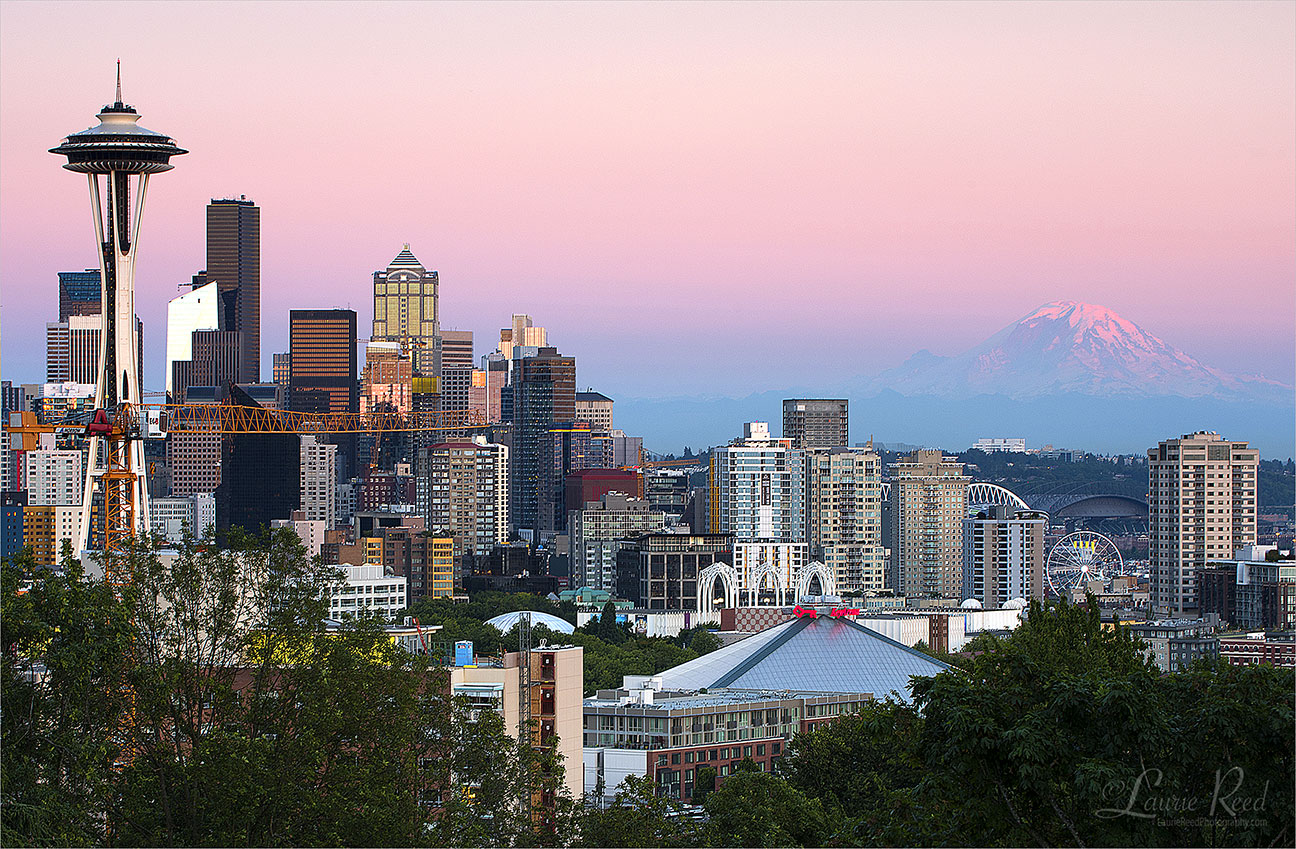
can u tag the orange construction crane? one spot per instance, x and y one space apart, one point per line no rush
124 517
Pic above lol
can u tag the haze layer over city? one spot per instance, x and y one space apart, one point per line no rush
707 202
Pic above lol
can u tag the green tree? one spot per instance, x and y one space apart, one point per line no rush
863 769
1047 735
66 654
638 817
754 808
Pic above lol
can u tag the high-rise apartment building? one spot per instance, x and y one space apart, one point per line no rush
544 393
816 422
594 408
234 265
463 493
322 348
599 529
1201 507
53 477
47 526
758 488
318 481
405 311
80 293
427 562
844 516
929 496
1003 555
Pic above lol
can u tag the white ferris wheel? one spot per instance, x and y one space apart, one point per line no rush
1079 558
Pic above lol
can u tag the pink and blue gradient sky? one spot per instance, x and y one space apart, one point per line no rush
693 198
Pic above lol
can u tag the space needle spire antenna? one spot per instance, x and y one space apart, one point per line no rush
122 152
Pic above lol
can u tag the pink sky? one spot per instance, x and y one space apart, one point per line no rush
693 198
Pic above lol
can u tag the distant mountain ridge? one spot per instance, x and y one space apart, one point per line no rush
1069 373
1069 346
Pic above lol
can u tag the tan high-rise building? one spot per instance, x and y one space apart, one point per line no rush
457 348
463 493
928 502
405 311
595 408
1201 507
844 516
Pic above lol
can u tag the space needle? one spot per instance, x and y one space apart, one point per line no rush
119 149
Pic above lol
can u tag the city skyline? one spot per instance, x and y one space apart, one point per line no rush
749 192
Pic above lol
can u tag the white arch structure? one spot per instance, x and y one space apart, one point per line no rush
728 577
982 495
827 584
758 575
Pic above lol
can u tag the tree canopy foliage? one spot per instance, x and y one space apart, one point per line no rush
204 703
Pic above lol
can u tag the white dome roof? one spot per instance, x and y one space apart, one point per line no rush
971 604
1014 604
505 622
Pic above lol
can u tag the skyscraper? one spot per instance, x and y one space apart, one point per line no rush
322 354
281 370
544 393
405 311
594 408
844 516
79 293
196 309
260 476
456 348
234 264
816 422
322 371
72 349
1201 507
929 496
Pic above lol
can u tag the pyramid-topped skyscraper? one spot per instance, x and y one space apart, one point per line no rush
405 311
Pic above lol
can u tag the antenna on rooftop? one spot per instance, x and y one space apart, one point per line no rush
119 100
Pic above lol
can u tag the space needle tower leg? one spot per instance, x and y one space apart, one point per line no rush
118 149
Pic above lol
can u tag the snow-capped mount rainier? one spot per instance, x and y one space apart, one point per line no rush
1072 347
